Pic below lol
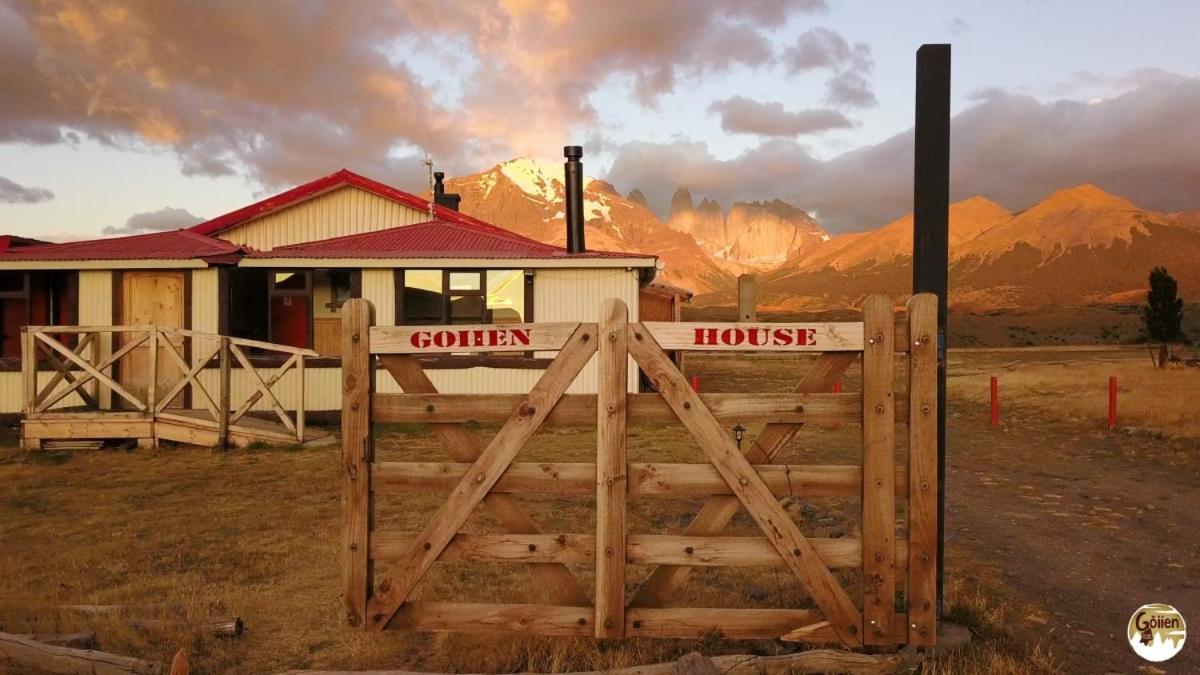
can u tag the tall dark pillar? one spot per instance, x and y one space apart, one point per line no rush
931 232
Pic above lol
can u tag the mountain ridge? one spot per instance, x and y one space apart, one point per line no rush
1078 245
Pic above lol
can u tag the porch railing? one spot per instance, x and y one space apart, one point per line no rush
148 368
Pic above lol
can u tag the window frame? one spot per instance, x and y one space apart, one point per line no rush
308 292
401 318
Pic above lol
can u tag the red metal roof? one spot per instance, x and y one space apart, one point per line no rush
10 241
328 183
435 239
172 245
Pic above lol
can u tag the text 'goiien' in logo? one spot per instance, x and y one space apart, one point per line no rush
1156 632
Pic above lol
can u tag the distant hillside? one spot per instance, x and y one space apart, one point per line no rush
1078 246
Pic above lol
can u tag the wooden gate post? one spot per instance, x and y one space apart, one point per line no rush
923 489
879 472
611 482
358 376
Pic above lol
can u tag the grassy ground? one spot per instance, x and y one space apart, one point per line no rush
254 533
1073 387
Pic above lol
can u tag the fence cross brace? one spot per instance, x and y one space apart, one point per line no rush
487 469
748 487
717 511
462 446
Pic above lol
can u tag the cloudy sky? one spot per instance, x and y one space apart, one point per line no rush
125 116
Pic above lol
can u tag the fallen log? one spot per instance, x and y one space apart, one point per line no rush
29 653
219 626
814 661
75 640
107 610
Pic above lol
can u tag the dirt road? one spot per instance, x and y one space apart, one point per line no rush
1087 525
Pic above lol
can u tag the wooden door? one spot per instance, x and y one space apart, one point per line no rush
152 297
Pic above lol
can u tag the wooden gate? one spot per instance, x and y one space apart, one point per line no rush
896 603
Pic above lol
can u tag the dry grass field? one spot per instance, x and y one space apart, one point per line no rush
254 533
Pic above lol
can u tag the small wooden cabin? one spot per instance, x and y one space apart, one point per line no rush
279 270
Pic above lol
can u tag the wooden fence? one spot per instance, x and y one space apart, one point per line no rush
732 479
139 390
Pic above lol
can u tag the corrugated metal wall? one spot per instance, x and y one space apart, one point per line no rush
347 210
379 286
96 309
11 394
577 295
206 314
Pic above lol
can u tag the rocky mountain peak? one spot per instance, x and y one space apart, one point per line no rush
681 201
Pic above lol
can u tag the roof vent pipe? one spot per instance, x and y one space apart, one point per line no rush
573 175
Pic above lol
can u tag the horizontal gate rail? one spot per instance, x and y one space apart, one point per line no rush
580 409
896 565
662 479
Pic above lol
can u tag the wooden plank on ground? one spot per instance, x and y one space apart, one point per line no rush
357 454
923 471
879 473
490 338
750 490
462 446
758 337
717 511
657 479
492 463
580 409
612 365
26 653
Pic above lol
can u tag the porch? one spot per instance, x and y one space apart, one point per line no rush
154 383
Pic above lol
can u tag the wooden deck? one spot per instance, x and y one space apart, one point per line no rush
193 427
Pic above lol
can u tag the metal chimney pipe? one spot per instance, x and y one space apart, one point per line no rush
573 178
449 200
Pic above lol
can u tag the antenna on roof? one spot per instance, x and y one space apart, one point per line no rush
428 162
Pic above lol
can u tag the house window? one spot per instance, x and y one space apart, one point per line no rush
34 299
298 308
464 297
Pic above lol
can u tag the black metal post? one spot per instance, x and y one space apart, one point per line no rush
931 234
573 179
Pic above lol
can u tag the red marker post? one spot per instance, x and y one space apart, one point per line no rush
995 402
1112 401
